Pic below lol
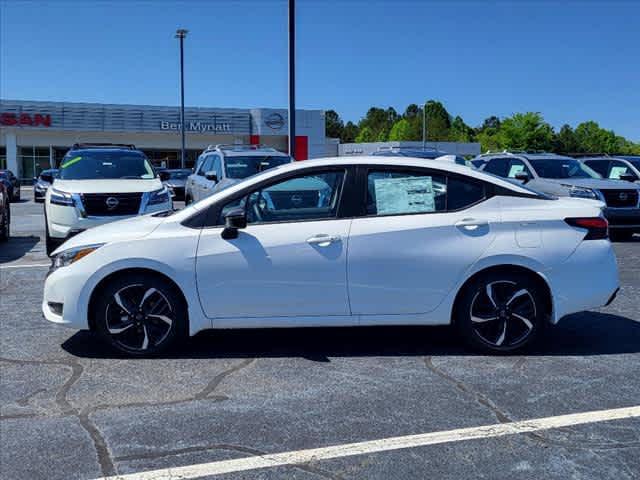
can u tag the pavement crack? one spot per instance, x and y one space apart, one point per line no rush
105 461
217 380
24 401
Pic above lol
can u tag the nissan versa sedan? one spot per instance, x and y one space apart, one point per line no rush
341 242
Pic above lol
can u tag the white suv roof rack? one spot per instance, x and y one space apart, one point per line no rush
239 147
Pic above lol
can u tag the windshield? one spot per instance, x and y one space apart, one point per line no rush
87 164
562 168
52 172
635 163
178 174
243 167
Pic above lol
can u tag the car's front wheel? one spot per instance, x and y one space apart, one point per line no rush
501 312
140 314
5 224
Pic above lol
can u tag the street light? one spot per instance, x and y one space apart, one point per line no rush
292 79
181 33
424 126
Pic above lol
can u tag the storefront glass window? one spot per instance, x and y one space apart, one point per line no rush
32 160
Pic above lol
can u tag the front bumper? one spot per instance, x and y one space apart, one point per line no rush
64 286
623 218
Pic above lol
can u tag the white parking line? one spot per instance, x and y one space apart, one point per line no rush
35 265
375 446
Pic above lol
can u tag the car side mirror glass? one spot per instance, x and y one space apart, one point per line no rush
234 220
47 178
522 176
211 175
164 175
628 177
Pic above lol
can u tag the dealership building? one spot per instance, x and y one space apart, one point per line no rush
35 135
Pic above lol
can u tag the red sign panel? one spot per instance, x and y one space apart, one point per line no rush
25 120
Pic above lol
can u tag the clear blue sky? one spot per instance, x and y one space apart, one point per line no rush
570 60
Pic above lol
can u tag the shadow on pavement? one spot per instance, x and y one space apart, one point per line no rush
17 247
589 333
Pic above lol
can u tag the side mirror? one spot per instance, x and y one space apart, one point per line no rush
234 220
522 176
47 177
628 177
164 175
211 175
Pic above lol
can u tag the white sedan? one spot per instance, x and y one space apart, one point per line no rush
341 242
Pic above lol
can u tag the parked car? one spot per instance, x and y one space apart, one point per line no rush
5 213
97 184
41 184
429 243
565 176
177 181
615 168
221 166
12 183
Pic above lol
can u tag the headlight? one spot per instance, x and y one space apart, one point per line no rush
159 196
72 255
581 192
59 197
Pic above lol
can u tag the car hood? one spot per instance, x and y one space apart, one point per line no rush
119 231
177 182
116 185
595 183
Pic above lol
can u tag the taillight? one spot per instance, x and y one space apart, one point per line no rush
597 227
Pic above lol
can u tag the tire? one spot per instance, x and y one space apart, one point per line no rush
501 312
140 315
5 227
187 200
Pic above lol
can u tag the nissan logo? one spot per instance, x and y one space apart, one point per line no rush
275 121
296 199
112 203
623 196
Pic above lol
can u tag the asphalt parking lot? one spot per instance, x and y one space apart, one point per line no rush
72 410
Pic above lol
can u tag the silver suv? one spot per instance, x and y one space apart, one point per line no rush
625 168
221 166
567 177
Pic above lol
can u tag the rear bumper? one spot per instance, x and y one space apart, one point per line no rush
587 280
623 218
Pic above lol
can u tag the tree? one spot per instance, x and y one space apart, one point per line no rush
526 131
349 133
565 140
334 125
379 123
460 131
438 121
365 135
402 130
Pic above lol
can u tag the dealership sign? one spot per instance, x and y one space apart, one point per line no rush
11 119
197 126
275 121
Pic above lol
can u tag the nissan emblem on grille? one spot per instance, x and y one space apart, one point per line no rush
623 196
112 203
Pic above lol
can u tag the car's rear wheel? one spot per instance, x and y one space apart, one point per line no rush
501 312
140 314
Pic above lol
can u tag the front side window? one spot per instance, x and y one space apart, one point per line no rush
497 166
244 166
307 197
517 166
618 169
88 164
562 168
396 193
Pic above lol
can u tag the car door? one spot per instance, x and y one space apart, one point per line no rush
422 231
200 184
290 260
211 186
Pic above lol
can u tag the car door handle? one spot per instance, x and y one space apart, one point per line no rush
472 223
323 240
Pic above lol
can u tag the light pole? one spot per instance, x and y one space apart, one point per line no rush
181 33
424 126
292 79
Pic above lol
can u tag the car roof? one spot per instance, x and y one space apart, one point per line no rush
103 149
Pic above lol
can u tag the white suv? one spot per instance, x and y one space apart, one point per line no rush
99 184
221 166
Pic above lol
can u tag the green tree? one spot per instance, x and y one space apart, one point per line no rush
333 124
349 132
402 130
565 140
438 121
460 131
526 131
365 134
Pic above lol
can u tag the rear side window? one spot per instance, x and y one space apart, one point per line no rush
498 166
600 166
397 193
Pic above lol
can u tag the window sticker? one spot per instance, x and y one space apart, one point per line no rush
616 172
70 162
404 195
514 170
